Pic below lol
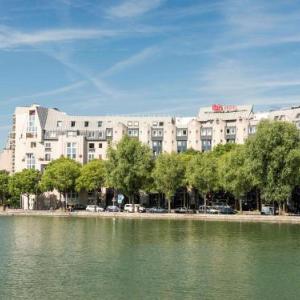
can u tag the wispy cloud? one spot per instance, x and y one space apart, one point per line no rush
131 61
10 38
133 8
64 89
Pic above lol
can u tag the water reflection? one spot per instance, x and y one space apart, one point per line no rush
62 258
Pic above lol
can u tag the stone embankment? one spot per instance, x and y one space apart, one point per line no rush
169 216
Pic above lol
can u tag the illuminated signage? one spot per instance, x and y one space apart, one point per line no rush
223 108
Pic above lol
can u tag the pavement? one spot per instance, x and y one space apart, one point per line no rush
167 216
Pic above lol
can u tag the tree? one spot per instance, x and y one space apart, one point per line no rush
25 182
61 175
234 173
4 179
169 174
129 166
92 177
274 155
202 174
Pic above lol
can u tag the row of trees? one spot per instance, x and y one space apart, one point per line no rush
268 164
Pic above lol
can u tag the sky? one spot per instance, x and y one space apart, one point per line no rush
166 57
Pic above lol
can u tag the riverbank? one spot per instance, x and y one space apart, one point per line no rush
168 216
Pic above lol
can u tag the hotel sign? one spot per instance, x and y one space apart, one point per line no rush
223 108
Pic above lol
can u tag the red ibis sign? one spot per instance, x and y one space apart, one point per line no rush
223 108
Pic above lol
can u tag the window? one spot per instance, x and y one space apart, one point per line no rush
182 132
136 124
31 128
47 147
251 129
100 145
133 132
230 141
230 131
206 131
91 134
73 123
156 147
30 161
157 132
181 146
109 132
298 124
154 124
129 123
206 145
161 123
91 147
99 123
71 150
33 144
86 124
71 133
47 157
91 156
59 124
52 134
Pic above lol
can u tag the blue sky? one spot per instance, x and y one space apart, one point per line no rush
147 56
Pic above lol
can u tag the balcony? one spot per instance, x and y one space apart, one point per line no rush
181 134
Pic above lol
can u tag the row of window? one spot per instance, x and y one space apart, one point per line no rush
157 147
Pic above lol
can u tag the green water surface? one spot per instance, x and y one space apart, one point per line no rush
94 258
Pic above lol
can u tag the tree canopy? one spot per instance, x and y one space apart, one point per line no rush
129 166
274 155
60 174
169 174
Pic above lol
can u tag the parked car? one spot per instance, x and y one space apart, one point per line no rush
267 210
137 208
184 210
157 210
112 208
226 210
94 208
209 209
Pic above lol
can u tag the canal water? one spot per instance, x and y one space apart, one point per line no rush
94 258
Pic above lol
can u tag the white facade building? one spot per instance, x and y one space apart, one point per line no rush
40 134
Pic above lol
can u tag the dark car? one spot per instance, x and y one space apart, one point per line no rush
184 210
112 208
157 210
226 210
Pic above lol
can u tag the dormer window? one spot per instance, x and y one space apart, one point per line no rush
86 123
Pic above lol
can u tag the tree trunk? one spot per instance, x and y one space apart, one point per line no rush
241 205
258 204
169 205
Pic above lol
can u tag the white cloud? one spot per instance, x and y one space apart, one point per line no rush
133 8
131 61
61 90
10 38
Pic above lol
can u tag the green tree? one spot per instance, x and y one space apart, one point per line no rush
274 155
92 177
202 174
129 166
234 173
61 175
4 191
169 174
25 183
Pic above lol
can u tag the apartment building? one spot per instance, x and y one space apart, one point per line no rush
40 135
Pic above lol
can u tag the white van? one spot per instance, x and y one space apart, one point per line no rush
137 208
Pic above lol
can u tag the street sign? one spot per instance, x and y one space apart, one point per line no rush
120 198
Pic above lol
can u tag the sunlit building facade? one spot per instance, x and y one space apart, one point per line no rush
40 135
